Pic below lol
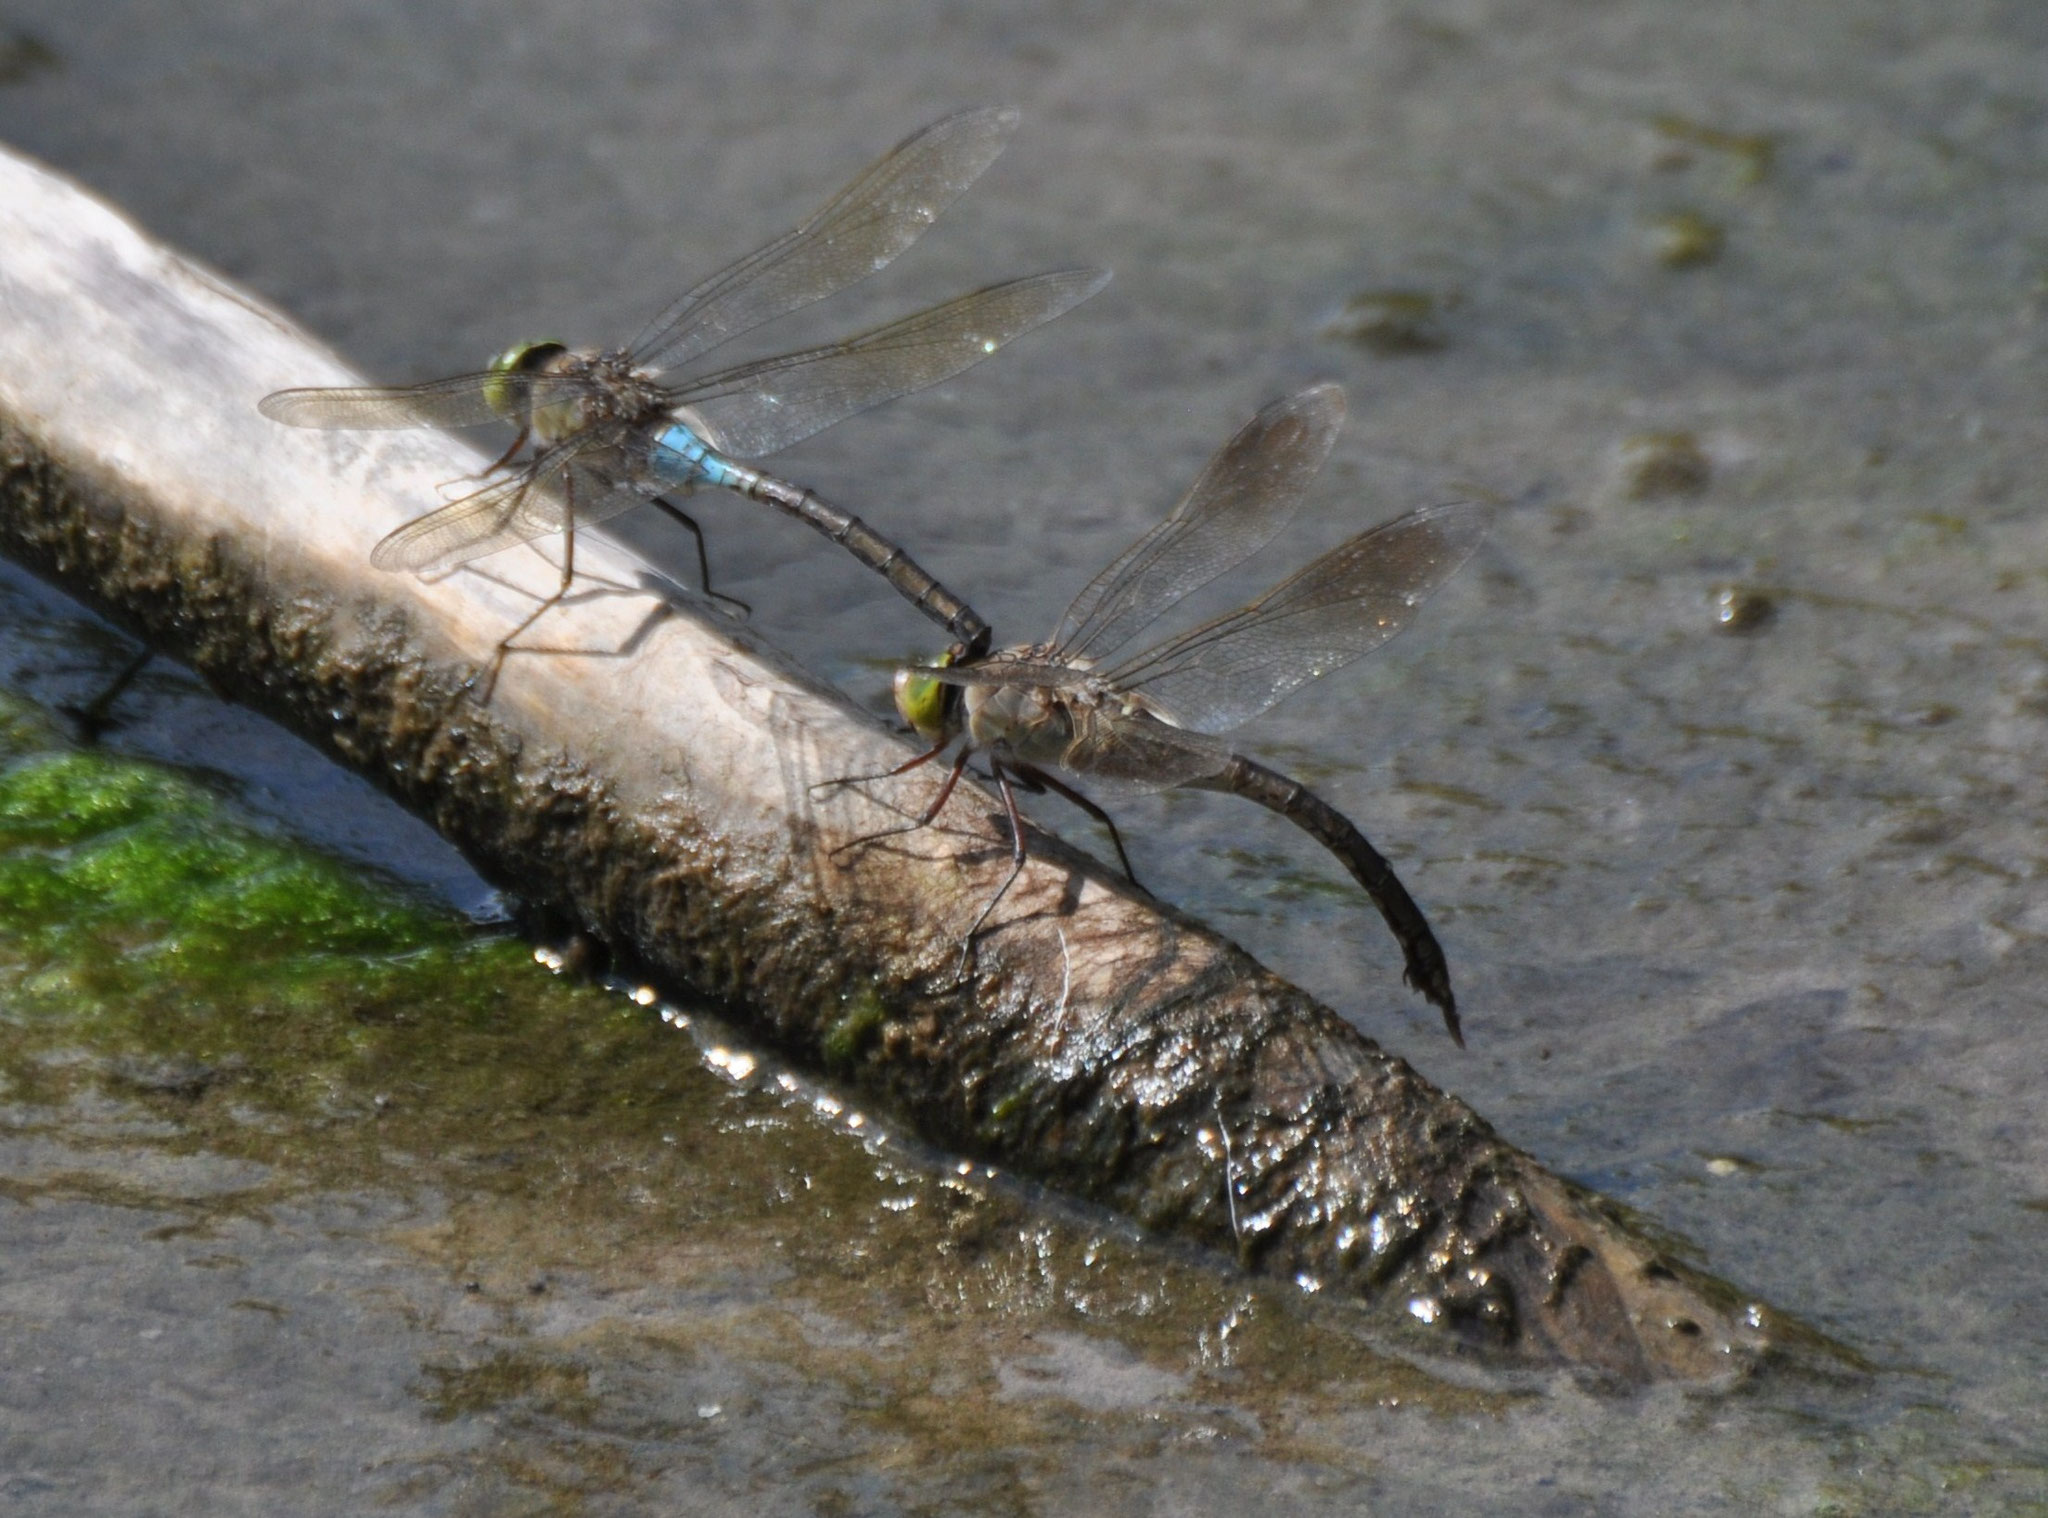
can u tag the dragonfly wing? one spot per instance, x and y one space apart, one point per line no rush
763 407
1136 754
601 488
482 522
1245 495
999 671
531 504
859 230
466 400
1343 605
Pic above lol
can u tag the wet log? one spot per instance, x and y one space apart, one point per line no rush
664 799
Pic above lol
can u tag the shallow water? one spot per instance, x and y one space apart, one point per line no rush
1746 922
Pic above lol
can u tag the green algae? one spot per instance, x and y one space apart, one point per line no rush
143 917
1752 153
862 1016
93 849
1684 239
506 1378
1391 323
1657 465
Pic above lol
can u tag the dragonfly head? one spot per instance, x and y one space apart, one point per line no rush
504 394
930 706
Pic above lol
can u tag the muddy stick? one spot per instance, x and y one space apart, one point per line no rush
668 799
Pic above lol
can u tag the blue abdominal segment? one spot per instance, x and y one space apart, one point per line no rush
681 458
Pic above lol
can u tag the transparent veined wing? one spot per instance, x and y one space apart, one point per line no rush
762 407
859 230
1138 754
1001 669
1343 605
1245 495
531 504
465 400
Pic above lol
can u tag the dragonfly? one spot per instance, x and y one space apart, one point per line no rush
1146 720
610 432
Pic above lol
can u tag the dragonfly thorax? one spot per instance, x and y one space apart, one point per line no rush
1026 721
1034 723
608 391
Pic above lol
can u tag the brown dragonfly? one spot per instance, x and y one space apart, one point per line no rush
1146 720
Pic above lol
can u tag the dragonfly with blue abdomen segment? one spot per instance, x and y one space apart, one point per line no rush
1145 721
609 433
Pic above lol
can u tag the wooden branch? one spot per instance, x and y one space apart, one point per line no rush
665 799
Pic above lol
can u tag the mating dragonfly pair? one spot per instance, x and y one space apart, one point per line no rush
607 433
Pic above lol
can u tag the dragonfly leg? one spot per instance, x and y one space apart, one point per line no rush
1016 820
488 675
1053 783
930 812
94 718
508 455
902 769
688 523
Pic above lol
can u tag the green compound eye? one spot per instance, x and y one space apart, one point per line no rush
922 701
506 396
